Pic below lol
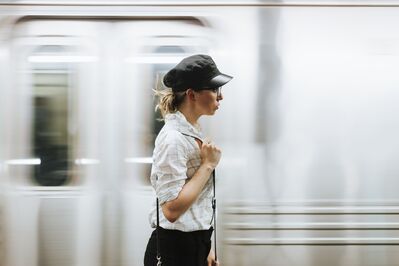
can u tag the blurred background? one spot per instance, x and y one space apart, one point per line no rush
308 128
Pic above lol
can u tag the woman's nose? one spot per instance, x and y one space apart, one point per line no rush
220 97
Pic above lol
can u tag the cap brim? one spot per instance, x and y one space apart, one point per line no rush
218 81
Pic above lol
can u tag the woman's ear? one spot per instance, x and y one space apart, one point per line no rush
190 94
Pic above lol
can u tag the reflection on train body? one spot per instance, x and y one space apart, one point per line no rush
307 127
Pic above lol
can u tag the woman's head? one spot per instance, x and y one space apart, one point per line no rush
195 81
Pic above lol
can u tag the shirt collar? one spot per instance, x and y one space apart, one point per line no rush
180 123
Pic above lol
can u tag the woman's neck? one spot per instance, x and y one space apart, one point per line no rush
191 117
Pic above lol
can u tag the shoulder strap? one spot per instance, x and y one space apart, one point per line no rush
214 212
159 262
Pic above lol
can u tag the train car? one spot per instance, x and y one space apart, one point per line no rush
308 128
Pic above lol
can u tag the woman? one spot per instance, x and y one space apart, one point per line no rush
182 165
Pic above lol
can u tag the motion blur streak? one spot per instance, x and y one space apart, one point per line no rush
308 128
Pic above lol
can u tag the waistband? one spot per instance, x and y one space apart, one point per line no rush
199 233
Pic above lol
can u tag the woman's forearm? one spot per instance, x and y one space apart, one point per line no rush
173 209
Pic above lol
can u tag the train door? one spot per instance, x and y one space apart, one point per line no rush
52 162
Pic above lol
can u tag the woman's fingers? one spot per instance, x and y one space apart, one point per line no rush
210 153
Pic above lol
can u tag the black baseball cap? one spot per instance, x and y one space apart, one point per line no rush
197 72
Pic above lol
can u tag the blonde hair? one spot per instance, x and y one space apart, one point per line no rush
168 101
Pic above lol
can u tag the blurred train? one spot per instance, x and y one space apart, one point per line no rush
308 127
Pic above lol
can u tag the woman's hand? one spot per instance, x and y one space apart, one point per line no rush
210 154
211 259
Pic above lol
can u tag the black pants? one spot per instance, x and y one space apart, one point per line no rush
179 248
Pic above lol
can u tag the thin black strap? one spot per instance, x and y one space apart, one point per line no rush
213 197
158 240
158 231
214 212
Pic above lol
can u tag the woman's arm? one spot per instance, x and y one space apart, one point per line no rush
189 193
173 209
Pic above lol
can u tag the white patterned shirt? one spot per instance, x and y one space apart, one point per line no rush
176 158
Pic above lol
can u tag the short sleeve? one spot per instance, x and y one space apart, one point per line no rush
171 164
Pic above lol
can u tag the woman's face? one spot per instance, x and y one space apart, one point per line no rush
208 101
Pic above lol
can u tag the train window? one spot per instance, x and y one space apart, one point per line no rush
56 68
51 86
